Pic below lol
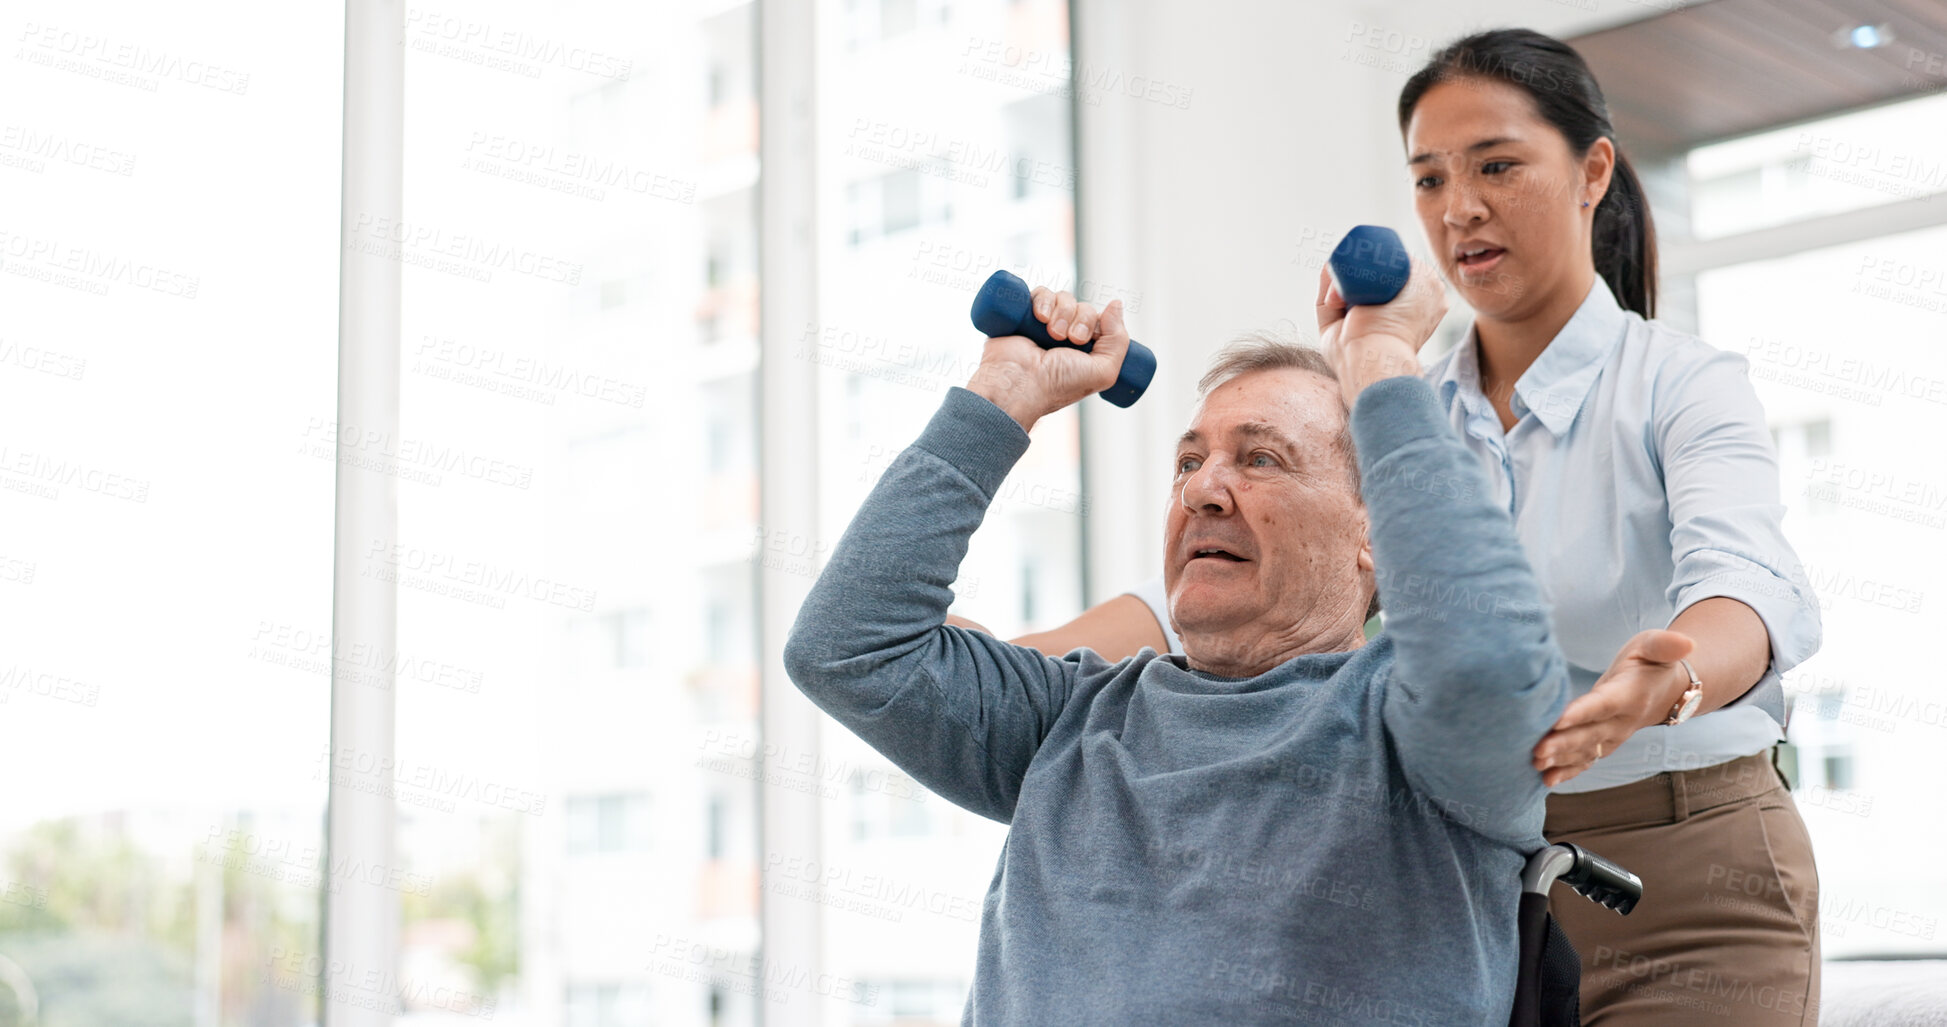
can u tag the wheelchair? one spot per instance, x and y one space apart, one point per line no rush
1547 988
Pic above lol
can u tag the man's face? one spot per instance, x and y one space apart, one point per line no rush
1265 533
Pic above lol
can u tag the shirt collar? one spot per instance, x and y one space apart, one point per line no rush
1556 384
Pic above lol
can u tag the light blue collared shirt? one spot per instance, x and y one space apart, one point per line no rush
1642 480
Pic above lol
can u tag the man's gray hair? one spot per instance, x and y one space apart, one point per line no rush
1276 350
1263 350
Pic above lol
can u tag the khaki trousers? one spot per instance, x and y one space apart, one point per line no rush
1727 933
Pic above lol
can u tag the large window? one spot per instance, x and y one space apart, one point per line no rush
168 276
580 335
575 765
1844 345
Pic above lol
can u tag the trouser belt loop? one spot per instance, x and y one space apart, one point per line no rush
1679 799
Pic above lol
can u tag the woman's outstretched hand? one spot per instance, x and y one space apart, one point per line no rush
1636 691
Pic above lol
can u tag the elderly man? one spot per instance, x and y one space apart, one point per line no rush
1288 822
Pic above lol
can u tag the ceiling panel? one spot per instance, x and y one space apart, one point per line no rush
1729 67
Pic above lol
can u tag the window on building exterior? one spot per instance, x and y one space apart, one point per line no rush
1842 342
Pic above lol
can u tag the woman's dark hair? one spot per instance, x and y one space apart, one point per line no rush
1566 95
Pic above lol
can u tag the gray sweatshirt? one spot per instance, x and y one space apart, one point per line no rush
1336 840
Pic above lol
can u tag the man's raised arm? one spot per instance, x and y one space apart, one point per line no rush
1477 675
962 712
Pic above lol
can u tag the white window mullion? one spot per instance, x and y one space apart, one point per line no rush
1815 233
791 930
361 920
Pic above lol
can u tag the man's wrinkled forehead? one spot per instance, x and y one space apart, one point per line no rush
1287 407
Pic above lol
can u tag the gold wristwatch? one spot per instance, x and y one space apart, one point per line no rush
1686 705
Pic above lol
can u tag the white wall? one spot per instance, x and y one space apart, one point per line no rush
1260 131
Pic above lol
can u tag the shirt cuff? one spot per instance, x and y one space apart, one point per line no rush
976 438
1790 614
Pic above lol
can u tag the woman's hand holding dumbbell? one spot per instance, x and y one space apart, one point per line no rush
1370 342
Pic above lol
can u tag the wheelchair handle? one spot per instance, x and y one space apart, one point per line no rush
1593 877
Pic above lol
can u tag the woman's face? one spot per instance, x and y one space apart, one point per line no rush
1500 196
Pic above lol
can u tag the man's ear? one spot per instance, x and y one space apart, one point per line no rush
1365 543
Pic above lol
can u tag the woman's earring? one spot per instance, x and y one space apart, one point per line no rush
1585 203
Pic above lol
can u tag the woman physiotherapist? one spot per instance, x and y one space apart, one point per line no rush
1643 484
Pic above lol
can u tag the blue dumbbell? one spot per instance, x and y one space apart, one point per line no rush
1004 306
1369 266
